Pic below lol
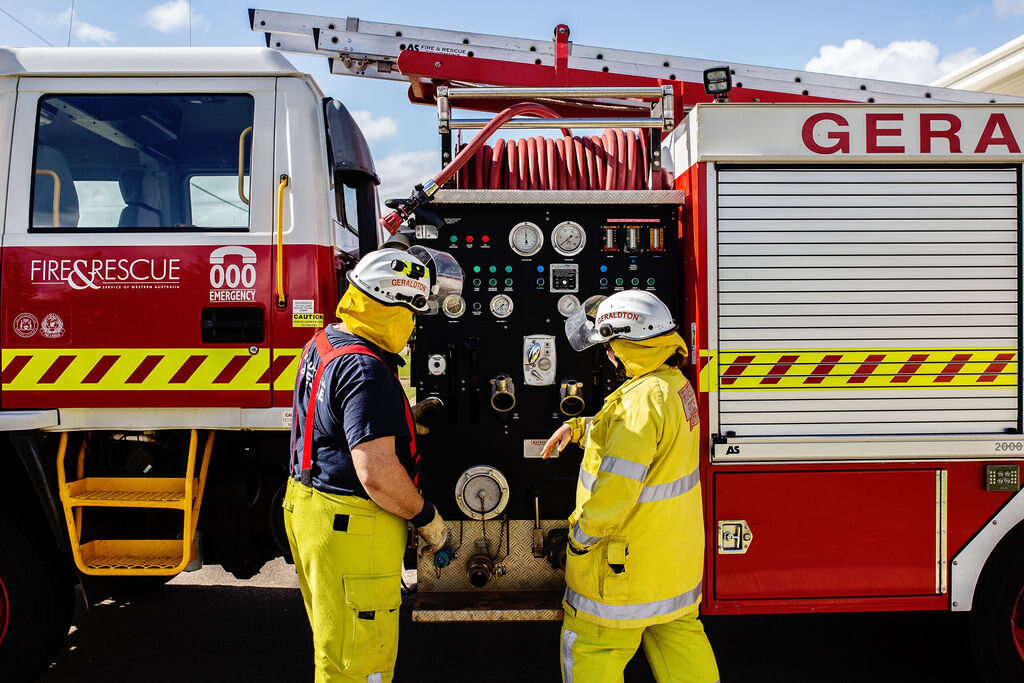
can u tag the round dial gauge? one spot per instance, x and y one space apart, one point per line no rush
481 492
501 306
526 238
568 238
454 306
568 305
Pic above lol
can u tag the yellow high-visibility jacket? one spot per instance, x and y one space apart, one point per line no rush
638 506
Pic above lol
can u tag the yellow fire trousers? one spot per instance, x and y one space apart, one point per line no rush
348 555
678 651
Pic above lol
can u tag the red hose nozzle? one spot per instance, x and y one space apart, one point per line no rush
392 222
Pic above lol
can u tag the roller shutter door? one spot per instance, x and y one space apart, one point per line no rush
868 301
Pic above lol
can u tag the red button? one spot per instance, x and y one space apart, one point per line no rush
486 239
469 238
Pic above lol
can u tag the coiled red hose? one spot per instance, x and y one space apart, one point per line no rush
393 221
615 160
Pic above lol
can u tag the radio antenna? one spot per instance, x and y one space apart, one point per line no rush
71 21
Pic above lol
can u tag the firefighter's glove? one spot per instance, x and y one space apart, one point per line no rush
431 528
577 549
424 407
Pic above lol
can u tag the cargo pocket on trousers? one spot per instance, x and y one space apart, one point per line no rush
616 578
371 623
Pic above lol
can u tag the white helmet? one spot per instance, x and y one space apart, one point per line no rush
417 278
634 314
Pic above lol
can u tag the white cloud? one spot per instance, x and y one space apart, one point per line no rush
82 30
172 16
88 33
375 128
907 61
399 172
1006 8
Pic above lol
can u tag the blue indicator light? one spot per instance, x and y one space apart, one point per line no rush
540 269
604 269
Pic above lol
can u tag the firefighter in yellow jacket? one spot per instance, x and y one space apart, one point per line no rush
636 537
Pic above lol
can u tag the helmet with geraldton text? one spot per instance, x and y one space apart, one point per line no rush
634 314
417 278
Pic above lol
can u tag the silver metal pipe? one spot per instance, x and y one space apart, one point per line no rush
525 123
654 93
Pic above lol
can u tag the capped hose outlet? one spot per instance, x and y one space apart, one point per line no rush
503 393
570 393
444 556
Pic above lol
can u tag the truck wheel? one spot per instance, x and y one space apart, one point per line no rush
33 607
997 619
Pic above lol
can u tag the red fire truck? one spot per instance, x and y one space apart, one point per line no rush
843 256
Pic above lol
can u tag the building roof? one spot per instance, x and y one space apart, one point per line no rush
134 61
999 71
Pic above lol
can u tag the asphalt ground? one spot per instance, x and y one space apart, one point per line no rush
207 626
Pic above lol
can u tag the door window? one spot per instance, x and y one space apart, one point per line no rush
142 162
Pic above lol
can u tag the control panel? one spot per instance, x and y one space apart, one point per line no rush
498 358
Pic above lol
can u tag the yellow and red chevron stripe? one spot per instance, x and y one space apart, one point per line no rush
858 368
146 369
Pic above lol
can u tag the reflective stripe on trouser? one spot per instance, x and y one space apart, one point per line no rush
348 557
677 651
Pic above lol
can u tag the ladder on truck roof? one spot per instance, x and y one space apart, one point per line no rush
426 56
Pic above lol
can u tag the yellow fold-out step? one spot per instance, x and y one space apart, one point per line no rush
137 557
130 492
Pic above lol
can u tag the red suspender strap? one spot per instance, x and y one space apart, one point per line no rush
327 353
295 404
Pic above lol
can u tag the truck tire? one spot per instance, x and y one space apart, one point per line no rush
997 617
35 607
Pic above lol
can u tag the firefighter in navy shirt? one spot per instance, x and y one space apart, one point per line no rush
352 487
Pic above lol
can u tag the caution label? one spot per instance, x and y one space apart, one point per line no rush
307 319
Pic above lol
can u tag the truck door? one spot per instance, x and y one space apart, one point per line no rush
137 250
8 93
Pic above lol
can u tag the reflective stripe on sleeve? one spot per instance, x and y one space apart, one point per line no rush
653 492
581 538
644 610
670 489
587 479
568 640
623 468
375 678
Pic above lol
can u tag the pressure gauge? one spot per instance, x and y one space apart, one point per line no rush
482 492
501 306
526 239
454 306
568 238
568 305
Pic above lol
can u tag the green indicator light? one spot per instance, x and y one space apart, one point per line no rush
493 269
508 282
492 282
650 280
476 269
635 281
454 239
508 269
618 281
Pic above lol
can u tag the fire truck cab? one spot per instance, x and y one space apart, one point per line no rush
174 225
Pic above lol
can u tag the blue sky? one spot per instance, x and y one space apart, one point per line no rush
907 40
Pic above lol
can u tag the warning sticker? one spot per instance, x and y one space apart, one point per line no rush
690 407
302 305
307 319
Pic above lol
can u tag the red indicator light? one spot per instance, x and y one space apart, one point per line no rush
486 239
469 238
